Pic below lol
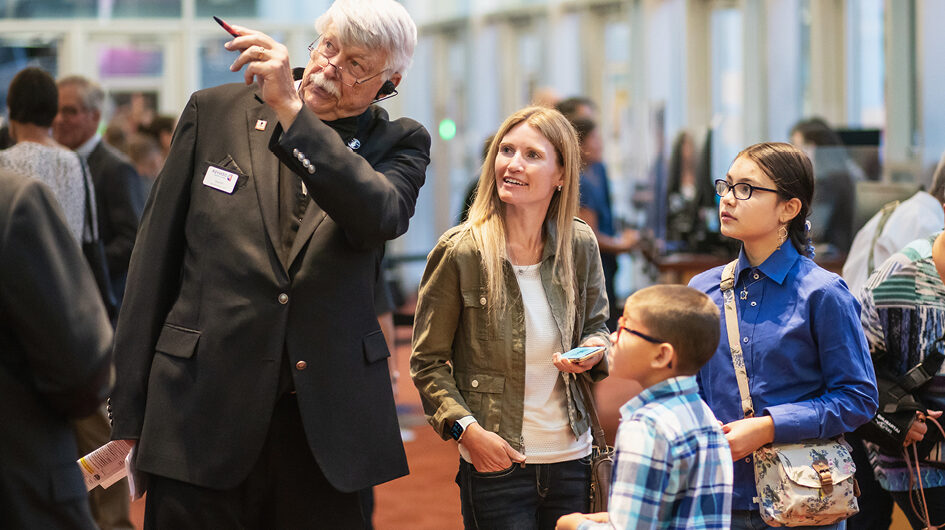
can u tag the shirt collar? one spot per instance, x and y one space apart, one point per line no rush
674 386
86 148
775 267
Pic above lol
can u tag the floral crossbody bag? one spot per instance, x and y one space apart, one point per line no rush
806 483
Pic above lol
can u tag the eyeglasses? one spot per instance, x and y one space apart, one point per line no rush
742 190
644 336
351 75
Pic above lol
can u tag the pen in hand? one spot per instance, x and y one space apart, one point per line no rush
226 26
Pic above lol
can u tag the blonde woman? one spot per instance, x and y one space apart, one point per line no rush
502 296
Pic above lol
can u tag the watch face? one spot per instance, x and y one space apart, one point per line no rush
456 431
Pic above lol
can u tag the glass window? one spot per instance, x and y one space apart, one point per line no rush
129 60
214 63
17 54
865 64
49 8
727 92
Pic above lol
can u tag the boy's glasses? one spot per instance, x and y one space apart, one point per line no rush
644 336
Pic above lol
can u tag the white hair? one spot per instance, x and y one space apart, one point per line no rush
382 24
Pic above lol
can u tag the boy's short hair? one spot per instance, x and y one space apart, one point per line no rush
682 316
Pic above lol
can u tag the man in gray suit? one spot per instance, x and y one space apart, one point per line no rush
54 359
251 368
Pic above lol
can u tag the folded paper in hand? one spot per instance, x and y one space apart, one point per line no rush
105 465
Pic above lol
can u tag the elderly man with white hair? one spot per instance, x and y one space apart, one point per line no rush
252 373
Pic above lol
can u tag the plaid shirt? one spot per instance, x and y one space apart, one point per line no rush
673 467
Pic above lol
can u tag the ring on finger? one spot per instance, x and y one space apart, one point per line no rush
260 52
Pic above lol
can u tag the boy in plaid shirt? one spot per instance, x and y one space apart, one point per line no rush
673 467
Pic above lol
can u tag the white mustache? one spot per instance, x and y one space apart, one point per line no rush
319 80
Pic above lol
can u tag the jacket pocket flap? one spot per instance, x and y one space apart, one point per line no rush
177 341
473 298
375 347
796 460
492 384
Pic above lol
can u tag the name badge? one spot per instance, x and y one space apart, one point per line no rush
220 179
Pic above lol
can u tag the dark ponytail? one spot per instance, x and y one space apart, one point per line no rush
793 175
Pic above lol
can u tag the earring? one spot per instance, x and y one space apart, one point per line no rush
559 187
782 235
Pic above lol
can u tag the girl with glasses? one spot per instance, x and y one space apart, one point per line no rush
808 365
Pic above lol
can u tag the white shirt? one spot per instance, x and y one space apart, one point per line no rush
918 216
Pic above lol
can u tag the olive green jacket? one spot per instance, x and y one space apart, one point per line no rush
464 365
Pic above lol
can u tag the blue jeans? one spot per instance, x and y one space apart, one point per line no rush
751 520
524 497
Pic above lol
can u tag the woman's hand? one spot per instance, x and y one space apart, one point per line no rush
487 450
574 367
746 435
918 428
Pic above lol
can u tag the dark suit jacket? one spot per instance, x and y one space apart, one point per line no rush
54 359
210 308
118 205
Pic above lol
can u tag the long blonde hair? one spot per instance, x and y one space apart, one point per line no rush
486 220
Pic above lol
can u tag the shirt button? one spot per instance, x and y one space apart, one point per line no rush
475 383
301 365
745 339
482 301
748 459
755 276
283 298
753 304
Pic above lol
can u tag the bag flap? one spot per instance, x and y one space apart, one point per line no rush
797 460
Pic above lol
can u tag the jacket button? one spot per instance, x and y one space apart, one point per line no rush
475 383
311 170
299 155
295 152
283 298
482 301
301 365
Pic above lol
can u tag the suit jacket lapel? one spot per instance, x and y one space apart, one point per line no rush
265 170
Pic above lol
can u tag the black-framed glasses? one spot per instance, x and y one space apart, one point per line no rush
351 75
742 190
644 336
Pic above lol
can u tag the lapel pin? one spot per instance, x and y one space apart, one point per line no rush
354 144
261 125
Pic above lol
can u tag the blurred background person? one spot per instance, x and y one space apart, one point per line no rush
56 342
597 212
117 184
904 319
148 158
690 199
496 307
834 195
161 129
897 224
33 102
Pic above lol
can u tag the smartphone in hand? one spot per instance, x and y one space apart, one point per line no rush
582 353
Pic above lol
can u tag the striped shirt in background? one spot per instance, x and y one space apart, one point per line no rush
903 315
673 467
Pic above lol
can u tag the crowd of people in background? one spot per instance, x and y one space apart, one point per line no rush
277 227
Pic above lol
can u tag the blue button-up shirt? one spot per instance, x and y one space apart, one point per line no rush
808 363
673 467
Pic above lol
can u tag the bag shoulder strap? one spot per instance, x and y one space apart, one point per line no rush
887 211
727 284
596 430
90 230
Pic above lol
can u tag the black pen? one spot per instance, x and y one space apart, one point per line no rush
226 26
